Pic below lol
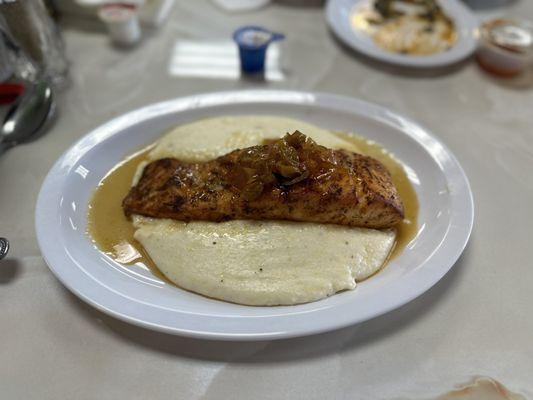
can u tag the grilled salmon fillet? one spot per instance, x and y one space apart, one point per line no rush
292 178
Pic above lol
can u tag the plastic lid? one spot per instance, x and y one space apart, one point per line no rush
509 34
254 37
116 13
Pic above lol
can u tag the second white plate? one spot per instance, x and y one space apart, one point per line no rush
136 296
339 12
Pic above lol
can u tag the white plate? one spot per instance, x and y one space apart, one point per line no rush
338 14
136 296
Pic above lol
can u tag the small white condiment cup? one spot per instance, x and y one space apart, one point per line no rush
505 46
122 23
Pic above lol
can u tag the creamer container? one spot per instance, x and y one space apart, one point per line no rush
505 46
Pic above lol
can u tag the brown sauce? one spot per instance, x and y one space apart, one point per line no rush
107 225
112 232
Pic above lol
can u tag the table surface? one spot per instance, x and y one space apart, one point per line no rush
475 322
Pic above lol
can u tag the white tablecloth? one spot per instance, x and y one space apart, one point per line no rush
477 321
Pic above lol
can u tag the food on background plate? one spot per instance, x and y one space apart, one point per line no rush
411 27
279 243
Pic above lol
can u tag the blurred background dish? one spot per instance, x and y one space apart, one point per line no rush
347 20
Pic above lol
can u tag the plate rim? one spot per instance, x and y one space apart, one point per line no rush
430 61
245 97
